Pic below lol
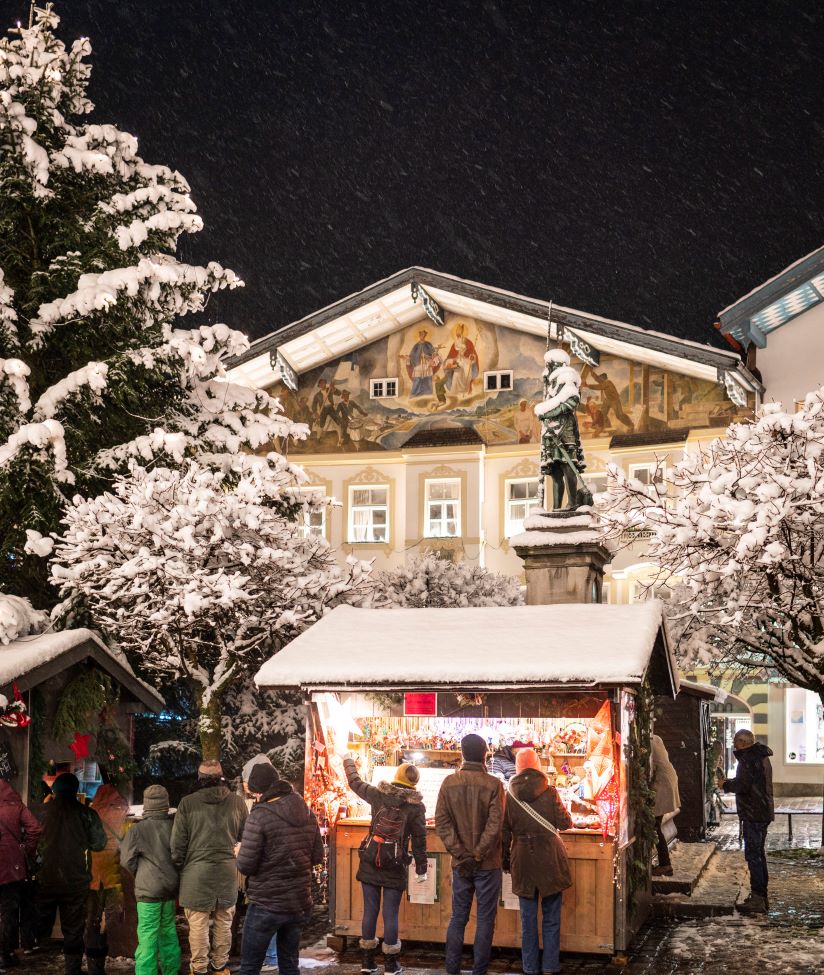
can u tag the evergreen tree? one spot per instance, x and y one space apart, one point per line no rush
92 369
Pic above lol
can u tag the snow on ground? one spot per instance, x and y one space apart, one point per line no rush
717 945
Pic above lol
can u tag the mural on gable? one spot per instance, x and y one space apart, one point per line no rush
439 377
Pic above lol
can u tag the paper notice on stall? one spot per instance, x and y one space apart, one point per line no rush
426 892
429 786
508 899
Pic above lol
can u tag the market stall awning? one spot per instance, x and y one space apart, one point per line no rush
30 660
575 645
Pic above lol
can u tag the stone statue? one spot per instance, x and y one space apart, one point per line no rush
562 457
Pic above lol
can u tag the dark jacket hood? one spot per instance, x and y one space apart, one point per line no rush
288 806
213 794
397 795
8 794
755 753
528 785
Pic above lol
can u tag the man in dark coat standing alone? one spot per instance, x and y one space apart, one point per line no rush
753 790
71 832
19 833
281 843
469 819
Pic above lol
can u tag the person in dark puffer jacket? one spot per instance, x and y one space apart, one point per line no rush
281 843
71 832
390 883
19 833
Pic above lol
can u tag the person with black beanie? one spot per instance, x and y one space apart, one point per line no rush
469 820
71 831
280 846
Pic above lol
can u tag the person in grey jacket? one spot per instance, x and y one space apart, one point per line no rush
145 851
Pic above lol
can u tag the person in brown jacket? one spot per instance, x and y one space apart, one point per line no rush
104 906
537 860
468 819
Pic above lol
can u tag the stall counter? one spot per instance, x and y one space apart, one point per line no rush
587 918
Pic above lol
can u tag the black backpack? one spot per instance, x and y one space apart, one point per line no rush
384 847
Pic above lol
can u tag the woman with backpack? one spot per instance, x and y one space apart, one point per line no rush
535 856
398 814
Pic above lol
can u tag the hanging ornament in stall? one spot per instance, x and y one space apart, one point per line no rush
80 745
14 714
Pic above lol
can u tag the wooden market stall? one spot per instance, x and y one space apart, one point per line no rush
574 680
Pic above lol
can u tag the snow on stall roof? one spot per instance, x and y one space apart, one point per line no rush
569 643
28 652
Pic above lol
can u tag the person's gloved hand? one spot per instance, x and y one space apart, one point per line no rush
421 878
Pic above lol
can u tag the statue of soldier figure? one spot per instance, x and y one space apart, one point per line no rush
562 457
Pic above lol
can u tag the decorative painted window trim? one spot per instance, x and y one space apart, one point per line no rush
442 473
499 380
324 486
435 507
368 477
385 388
530 503
524 469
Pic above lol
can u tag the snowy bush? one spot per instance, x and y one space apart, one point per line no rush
19 618
199 574
743 533
93 370
433 581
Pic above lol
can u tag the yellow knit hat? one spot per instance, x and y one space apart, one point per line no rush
407 775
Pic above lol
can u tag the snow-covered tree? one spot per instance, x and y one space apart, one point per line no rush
93 370
740 526
198 575
433 581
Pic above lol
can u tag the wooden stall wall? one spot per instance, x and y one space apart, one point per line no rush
683 725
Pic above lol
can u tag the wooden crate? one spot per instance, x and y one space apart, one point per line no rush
587 919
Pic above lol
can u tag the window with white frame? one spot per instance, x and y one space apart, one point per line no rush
369 513
500 380
597 483
383 388
805 727
314 518
650 475
442 508
521 500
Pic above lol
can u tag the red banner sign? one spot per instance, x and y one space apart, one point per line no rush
420 705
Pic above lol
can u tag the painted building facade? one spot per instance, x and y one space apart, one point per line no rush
418 394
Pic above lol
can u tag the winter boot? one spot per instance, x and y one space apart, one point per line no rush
391 959
96 964
74 964
368 947
754 904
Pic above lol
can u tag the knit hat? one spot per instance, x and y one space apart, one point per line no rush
407 775
473 748
155 799
527 758
210 769
262 777
66 784
259 759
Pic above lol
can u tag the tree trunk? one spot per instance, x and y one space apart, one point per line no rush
209 728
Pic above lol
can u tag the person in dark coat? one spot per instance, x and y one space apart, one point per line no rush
390 883
468 819
207 827
19 834
146 852
71 833
281 843
753 788
537 860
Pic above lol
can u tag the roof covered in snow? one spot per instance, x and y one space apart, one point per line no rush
30 660
571 644
390 304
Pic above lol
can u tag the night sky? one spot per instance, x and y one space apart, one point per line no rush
650 162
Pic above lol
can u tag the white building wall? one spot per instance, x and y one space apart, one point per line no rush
792 364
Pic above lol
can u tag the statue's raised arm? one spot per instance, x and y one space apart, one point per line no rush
562 457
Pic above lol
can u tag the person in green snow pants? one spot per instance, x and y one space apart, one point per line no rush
145 852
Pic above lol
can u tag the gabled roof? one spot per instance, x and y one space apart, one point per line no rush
775 302
30 660
388 305
572 645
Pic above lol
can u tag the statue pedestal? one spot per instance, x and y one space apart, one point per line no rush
564 555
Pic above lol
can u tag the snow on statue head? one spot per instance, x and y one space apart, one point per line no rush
556 357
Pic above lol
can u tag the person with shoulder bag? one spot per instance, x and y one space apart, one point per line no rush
398 815
19 835
536 857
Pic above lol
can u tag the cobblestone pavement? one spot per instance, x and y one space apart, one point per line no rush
789 941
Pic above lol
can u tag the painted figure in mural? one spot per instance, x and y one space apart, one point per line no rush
525 423
421 365
323 405
350 426
610 397
562 457
462 366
